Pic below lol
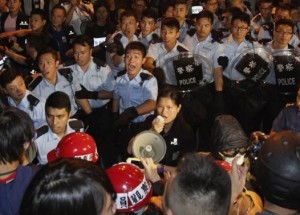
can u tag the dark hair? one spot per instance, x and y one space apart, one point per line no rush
166 4
60 7
8 75
128 13
136 45
38 40
199 185
48 51
99 4
83 40
171 93
244 17
180 2
283 7
39 12
287 22
16 128
59 100
67 186
264 1
232 10
149 13
170 22
205 14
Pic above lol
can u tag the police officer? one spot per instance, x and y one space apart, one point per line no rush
158 53
97 85
118 42
52 80
135 96
18 96
239 81
265 16
57 110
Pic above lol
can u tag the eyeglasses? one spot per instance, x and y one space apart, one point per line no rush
282 33
240 28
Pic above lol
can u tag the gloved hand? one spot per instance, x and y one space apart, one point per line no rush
86 94
119 47
126 117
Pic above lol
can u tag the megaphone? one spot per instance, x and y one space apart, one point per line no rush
149 144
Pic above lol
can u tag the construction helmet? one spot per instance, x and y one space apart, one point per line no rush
133 189
75 145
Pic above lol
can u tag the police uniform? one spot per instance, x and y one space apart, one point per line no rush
146 40
160 55
183 30
265 35
43 89
208 48
98 77
33 106
47 140
256 22
109 60
241 93
136 91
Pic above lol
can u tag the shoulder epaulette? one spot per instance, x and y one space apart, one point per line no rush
67 73
216 36
76 124
256 18
42 130
69 63
291 46
123 72
181 49
33 84
155 39
144 77
99 63
191 32
189 22
33 101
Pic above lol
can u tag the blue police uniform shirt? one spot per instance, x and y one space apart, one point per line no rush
232 50
183 31
207 48
134 92
256 23
47 142
96 78
36 113
146 40
109 60
160 55
44 89
288 119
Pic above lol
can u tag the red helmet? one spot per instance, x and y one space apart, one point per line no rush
130 184
75 145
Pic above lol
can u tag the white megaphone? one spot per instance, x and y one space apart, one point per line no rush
149 144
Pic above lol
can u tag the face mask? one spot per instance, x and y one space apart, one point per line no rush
239 162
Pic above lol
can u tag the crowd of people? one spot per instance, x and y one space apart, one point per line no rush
216 80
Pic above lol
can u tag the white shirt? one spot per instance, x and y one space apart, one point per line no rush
36 113
160 55
96 78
